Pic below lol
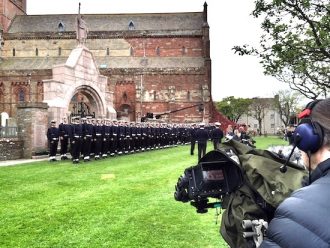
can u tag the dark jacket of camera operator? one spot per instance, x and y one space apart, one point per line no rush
303 219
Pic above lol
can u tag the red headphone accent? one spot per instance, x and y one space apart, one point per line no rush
304 113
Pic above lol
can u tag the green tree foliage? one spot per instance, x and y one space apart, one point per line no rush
295 44
286 102
233 107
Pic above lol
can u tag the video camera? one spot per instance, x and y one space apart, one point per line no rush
216 175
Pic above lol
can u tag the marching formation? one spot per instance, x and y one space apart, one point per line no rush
87 138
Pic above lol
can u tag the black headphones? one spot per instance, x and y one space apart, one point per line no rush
308 136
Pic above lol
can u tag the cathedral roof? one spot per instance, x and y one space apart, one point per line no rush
42 63
108 22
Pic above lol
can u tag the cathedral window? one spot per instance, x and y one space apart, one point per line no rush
59 51
21 95
183 50
14 52
37 52
108 51
131 25
60 27
158 51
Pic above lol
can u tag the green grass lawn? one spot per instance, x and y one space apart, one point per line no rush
125 201
265 142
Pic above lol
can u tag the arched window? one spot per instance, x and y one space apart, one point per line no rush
131 51
21 95
131 25
183 50
61 27
157 51
108 51
188 95
155 95
14 52
37 52
59 51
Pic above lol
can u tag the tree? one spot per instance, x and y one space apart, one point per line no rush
233 107
258 110
286 102
295 44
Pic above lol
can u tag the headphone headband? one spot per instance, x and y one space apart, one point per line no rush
309 134
308 109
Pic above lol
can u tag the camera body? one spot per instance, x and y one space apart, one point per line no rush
215 175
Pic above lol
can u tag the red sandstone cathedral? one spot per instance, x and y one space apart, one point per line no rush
119 66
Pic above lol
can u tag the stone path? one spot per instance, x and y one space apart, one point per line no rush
20 161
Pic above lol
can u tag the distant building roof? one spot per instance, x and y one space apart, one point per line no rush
108 22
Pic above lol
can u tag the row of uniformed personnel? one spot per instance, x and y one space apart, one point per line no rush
99 138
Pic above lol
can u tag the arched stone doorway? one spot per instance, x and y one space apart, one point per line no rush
125 113
78 83
86 102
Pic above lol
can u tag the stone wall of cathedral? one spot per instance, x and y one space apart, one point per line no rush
21 86
149 47
162 89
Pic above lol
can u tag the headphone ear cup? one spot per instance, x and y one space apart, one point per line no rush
308 137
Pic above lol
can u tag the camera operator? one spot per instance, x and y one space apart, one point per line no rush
302 220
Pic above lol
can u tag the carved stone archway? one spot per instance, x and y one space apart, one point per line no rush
86 102
78 75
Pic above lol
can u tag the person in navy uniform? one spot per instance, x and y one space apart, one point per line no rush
113 137
87 135
53 135
121 138
193 131
201 136
98 139
133 140
65 133
105 138
127 137
77 133
216 135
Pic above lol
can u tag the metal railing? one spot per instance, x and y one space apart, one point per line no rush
8 132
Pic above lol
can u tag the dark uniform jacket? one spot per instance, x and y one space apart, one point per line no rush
303 219
53 133
202 135
65 130
216 134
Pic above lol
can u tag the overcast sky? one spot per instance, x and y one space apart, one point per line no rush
230 24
